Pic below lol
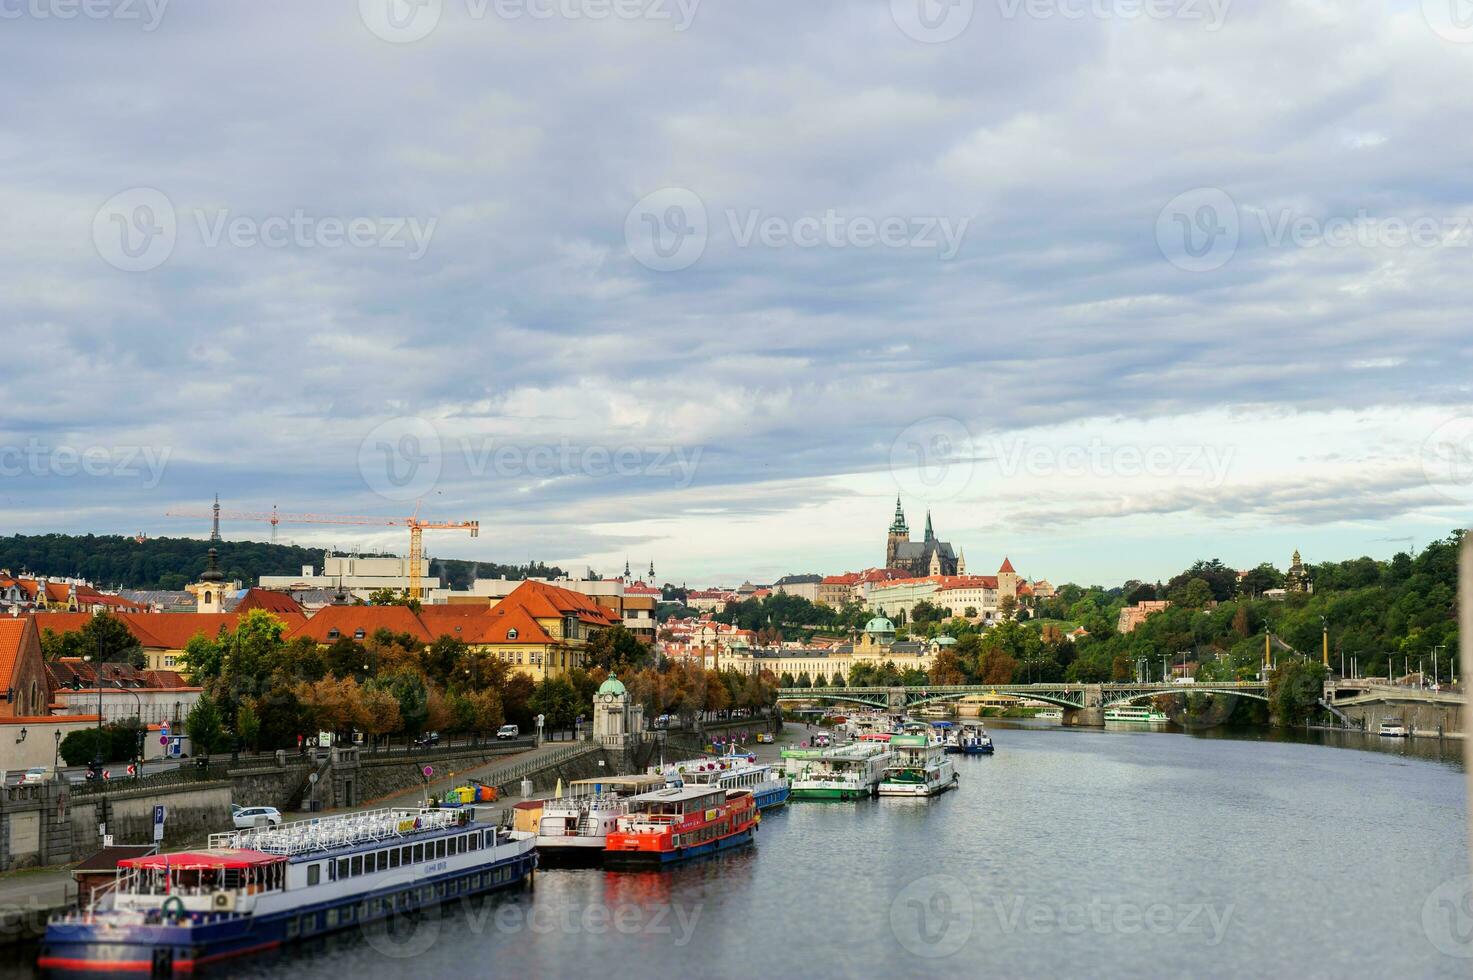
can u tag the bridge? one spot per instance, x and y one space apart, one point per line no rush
1083 704
1355 703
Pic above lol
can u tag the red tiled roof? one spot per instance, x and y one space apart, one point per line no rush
1007 566
269 600
496 627
348 620
15 633
173 631
545 601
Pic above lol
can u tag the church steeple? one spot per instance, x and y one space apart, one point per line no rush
652 571
626 569
898 526
930 534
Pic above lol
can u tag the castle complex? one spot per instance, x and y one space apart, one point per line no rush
927 556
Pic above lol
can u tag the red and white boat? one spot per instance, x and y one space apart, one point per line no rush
679 823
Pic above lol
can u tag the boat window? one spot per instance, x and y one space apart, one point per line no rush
475 841
406 855
342 868
394 858
419 853
314 874
440 848
357 867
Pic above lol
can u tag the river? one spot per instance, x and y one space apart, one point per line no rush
1068 853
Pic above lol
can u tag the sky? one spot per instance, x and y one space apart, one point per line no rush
1107 285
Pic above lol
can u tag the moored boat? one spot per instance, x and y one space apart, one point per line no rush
678 823
737 770
969 739
254 890
1394 728
850 772
919 767
573 829
1137 714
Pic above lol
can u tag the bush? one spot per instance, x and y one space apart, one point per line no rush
120 743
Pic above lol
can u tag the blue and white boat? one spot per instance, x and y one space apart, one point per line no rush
969 740
254 890
736 770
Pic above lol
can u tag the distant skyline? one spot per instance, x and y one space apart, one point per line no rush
711 284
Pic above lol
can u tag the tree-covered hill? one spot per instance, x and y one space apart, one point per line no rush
118 562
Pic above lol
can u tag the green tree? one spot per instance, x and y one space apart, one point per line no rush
206 732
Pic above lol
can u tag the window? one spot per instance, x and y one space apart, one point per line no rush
314 874
394 858
333 634
406 854
357 866
342 868
511 634
419 853
358 634
440 848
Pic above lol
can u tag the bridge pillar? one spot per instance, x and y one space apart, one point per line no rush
1092 714
895 698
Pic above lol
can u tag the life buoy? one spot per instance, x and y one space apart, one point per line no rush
177 910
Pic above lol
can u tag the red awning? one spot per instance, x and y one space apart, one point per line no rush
203 860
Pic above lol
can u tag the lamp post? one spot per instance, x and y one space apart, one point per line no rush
1440 646
96 766
56 754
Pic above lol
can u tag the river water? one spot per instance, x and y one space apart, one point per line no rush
1068 853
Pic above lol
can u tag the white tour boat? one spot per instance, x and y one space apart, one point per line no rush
918 767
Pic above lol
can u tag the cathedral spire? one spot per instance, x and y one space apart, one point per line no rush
930 534
626 568
652 571
898 526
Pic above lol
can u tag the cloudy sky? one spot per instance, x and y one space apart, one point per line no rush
1109 285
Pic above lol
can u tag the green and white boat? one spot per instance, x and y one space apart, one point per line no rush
1136 714
848 772
918 767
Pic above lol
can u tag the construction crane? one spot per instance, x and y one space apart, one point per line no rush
416 524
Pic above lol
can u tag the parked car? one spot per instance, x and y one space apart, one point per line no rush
37 774
765 737
508 731
428 739
247 817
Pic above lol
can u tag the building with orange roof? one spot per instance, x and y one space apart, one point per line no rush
162 636
26 689
332 623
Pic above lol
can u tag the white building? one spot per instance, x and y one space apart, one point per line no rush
359 576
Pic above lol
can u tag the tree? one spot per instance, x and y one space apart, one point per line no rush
248 724
393 597
837 680
947 669
206 732
1007 606
616 648
555 699
804 680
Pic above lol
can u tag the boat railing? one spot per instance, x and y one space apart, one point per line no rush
330 833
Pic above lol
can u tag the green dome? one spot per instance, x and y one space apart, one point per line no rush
611 686
879 625
945 641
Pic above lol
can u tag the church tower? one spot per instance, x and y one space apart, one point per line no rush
209 591
1007 580
899 534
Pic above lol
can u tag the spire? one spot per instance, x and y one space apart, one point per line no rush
930 534
626 567
898 526
215 525
1007 566
652 571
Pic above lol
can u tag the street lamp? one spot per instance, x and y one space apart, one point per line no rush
56 754
96 767
1440 646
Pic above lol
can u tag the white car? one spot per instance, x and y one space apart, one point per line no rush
37 774
250 817
508 731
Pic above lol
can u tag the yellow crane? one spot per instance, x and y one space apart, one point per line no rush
417 526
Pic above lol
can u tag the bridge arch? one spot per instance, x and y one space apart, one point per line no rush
1146 695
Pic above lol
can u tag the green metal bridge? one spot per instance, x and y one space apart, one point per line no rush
1070 697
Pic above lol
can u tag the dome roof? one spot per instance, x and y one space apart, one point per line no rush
945 641
879 625
611 686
